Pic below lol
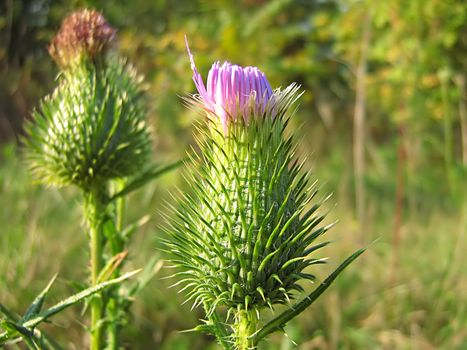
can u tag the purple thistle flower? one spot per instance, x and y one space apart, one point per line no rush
233 92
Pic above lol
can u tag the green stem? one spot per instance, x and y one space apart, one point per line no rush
97 313
120 205
245 328
112 328
94 212
112 309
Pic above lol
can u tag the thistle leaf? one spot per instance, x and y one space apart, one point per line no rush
129 230
9 315
37 304
13 328
153 267
279 322
146 176
111 266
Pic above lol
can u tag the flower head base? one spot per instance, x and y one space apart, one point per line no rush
233 92
83 34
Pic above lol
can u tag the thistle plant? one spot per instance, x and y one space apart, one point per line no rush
92 128
245 239
91 133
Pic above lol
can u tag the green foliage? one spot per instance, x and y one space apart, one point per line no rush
153 172
25 327
91 129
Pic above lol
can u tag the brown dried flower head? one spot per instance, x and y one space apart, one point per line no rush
83 34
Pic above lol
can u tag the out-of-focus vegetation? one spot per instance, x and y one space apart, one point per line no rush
383 123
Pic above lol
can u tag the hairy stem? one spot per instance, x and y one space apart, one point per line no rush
94 212
245 328
112 308
112 328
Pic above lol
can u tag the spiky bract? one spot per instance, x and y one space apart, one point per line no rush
91 128
242 239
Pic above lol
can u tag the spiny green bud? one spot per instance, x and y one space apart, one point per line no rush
85 34
92 128
243 238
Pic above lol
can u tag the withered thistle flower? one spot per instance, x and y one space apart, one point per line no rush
244 239
85 34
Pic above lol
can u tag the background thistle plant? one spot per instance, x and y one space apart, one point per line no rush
245 237
91 132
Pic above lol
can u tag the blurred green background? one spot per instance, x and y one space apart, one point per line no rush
383 124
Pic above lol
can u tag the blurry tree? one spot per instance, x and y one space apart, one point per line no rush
415 75
25 69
